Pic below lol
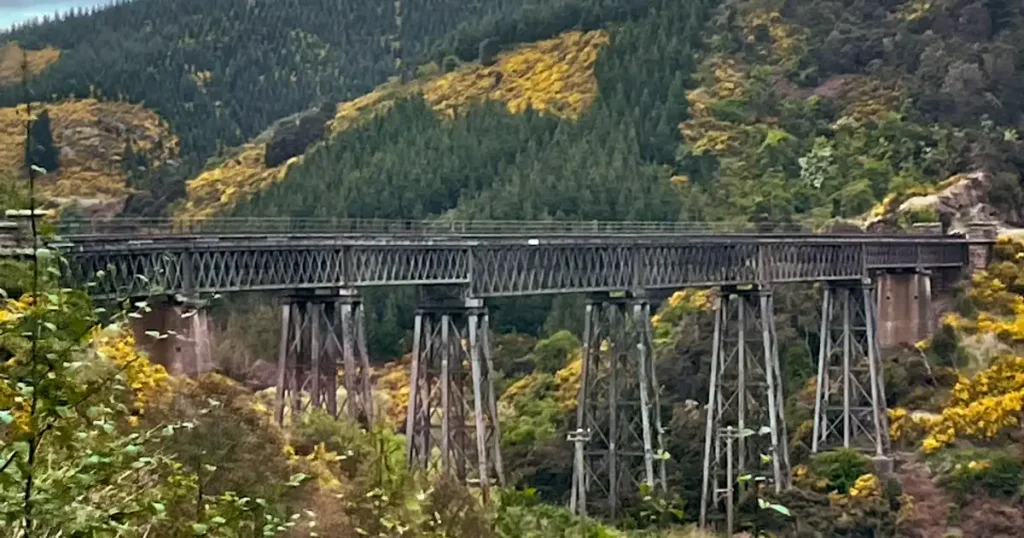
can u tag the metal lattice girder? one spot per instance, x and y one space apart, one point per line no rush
490 267
849 404
452 420
745 393
618 433
319 333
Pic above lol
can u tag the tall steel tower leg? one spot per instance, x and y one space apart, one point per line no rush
849 408
317 333
618 438
745 399
452 421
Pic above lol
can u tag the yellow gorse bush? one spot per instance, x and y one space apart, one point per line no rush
147 381
866 485
991 402
981 407
554 76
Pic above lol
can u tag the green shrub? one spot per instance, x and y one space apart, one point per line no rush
521 514
552 353
841 468
995 471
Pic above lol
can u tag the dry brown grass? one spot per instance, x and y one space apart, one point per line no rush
12 57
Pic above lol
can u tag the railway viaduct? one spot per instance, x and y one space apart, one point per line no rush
878 293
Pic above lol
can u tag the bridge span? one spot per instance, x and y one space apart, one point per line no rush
876 288
125 259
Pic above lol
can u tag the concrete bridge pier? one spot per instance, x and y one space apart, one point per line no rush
183 347
319 333
453 411
745 417
849 406
618 436
905 311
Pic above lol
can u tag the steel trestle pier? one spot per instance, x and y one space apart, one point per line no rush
452 422
319 332
849 403
745 398
618 437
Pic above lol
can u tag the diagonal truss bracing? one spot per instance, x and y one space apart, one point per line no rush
490 268
618 436
849 406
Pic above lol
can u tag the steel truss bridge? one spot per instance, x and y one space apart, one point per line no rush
487 259
318 266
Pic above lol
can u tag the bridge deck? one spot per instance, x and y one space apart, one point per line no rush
493 264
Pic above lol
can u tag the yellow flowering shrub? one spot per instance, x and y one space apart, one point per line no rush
867 485
909 427
567 380
320 463
147 381
981 419
554 76
682 303
788 42
391 392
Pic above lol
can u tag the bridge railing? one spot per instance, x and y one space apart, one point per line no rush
267 226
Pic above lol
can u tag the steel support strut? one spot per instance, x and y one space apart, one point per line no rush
849 403
452 422
319 332
745 432
618 436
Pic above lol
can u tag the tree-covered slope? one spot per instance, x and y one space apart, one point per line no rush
220 71
755 110
828 107
607 154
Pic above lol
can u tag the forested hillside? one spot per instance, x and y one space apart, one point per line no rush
219 72
520 159
758 110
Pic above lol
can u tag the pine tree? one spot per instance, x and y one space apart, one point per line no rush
40 150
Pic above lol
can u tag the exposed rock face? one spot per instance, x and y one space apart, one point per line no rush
965 199
959 200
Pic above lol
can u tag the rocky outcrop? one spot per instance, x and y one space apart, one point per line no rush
954 203
965 199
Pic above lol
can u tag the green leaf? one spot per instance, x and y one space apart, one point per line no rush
780 509
745 478
200 529
765 430
159 508
766 458
50 326
218 520
6 417
762 504
297 479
